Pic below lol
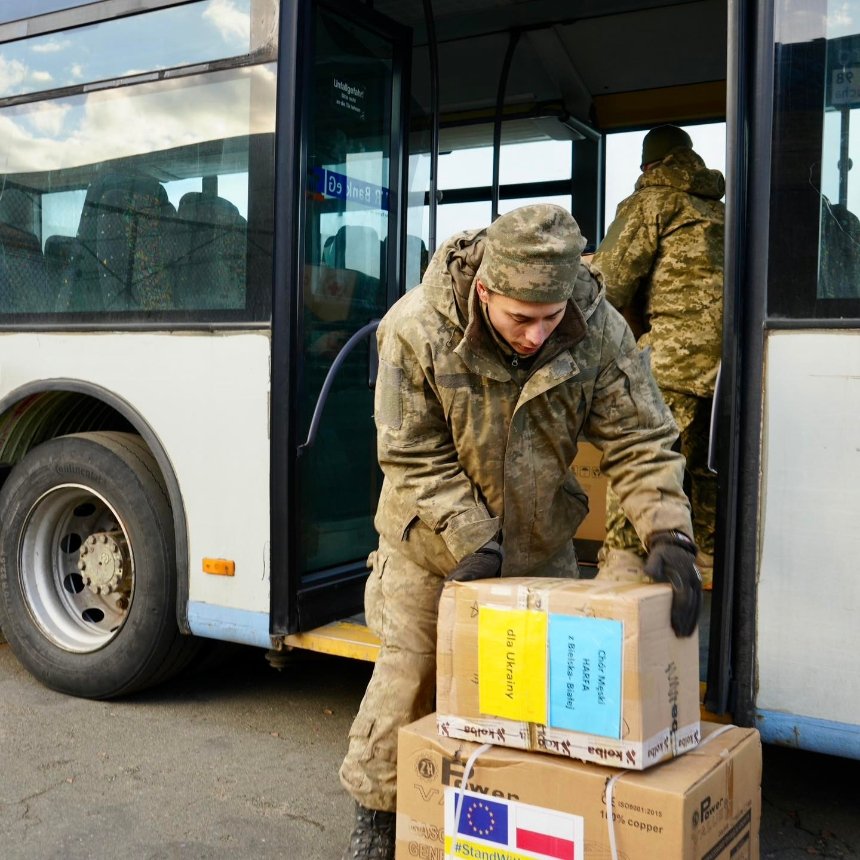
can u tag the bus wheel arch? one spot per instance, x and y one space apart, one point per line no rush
37 412
87 566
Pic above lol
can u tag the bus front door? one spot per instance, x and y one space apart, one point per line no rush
348 239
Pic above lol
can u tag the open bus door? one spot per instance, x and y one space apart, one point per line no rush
477 86
348 235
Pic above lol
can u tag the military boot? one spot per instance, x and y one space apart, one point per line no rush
620 565
372 836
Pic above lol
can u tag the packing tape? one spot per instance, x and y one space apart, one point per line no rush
610 788
458 795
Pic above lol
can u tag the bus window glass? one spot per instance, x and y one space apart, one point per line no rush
814 254
536 161
152 200
535 172
417 219
14 10
466 168
839 237
346 231
453 217
184 35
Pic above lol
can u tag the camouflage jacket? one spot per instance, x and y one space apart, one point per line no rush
468 451
664 253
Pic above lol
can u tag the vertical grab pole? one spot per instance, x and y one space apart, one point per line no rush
497 123
432 47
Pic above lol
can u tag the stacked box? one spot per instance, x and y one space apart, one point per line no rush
581 668
705 805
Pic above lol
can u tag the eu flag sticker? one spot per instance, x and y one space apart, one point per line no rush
477 826
485 819
585 667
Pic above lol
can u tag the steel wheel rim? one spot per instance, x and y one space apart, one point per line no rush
71 614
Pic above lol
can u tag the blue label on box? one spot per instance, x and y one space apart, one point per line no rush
585 667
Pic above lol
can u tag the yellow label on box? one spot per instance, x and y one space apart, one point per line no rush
512 663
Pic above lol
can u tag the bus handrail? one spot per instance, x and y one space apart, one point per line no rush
339 359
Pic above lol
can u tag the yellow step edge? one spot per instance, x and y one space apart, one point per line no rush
340 638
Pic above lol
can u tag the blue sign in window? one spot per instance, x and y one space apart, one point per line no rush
341 187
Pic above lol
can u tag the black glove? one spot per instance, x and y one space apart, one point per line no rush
672 559
484 563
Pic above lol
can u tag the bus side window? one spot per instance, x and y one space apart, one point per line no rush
839 255
357 249
211 246
62 255
23 278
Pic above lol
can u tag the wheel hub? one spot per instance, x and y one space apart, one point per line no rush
103 559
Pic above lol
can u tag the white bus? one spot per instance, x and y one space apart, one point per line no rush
205 205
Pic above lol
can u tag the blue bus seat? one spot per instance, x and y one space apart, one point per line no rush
18 209
23 281
211 245
125 246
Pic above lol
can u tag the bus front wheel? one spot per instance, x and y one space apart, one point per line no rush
88 567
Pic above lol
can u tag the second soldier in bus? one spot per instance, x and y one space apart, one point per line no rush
662 260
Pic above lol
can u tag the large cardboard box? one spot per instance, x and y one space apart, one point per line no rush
581 668
705 805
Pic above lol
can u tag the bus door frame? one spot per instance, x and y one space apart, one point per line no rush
293 609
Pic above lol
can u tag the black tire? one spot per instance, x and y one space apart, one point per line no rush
88 567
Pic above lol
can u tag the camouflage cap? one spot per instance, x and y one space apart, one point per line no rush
661 140
532 254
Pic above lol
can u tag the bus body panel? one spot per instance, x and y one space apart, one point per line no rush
808 733
808 590
217 383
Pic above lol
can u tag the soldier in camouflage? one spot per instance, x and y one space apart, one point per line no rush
489 371
662 261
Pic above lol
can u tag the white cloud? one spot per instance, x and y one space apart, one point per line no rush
231 22
49 47
12 73
48 118
841 20
41 77
119 123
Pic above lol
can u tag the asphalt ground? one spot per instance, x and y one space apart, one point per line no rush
237 760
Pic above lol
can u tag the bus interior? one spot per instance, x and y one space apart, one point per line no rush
508 103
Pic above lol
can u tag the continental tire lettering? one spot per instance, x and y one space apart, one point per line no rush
77 471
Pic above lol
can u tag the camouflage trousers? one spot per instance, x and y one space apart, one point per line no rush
693 416
401 602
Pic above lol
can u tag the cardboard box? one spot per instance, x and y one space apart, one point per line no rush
591 533
581 668
705 805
